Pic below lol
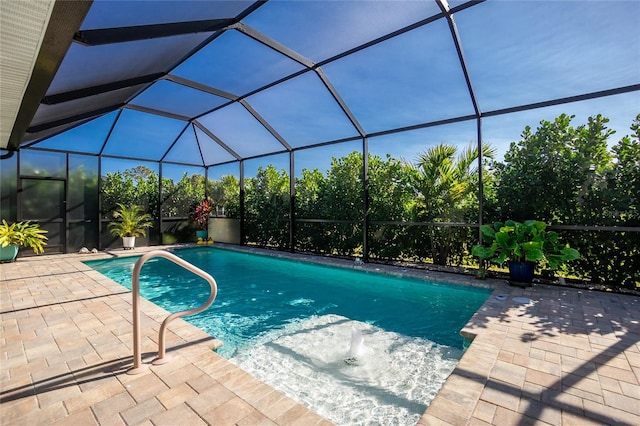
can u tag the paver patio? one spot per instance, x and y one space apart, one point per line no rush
568 357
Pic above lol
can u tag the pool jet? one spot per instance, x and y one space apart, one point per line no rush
356 348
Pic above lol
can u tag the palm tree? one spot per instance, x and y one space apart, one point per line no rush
446 187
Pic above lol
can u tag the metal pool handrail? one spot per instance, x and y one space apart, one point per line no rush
137 356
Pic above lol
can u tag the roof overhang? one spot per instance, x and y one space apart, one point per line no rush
35 37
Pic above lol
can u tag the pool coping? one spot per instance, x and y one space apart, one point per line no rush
540 361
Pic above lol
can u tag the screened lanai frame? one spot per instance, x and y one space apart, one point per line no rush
65 104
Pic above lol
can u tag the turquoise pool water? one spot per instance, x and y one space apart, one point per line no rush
280 318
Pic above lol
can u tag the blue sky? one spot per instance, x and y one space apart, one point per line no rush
517 53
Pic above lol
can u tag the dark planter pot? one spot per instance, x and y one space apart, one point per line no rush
521 273
201 234
8 253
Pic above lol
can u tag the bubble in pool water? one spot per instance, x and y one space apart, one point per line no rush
301 301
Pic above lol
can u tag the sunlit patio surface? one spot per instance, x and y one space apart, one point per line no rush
551 356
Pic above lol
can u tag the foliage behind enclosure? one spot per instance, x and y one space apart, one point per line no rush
428 211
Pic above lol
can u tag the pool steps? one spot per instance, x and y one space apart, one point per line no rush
138 367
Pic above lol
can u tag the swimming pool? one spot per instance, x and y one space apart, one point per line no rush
291 324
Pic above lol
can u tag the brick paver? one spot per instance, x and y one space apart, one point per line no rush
564 358
66 346
569 357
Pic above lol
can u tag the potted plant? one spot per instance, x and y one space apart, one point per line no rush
25 234
200 217
133 223
523 245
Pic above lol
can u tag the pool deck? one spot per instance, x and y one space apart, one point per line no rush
569 357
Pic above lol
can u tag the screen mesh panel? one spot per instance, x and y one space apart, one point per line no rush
178 99
88 137
235 126
386 66
411 79
150 141
108 14
235 63
88 66
303 111
320 30
520 60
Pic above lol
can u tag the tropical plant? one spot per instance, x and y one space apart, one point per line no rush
310 237
25 234
390 193
179 197
572 171
613 258
557 165
217 195
267 201
136 186
200 214
341 200
231 186
575 179
132 222
523 242
446 187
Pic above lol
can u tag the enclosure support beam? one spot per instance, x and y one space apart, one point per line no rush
67 203
365 199
175 140
160 202
100 199
78 117
100 89
292 203
444 7
216 139
145 32
243 240
480 180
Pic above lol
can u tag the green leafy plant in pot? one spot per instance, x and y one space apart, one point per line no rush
133 222
15 235
524 246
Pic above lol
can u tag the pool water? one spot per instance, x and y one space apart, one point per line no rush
291 324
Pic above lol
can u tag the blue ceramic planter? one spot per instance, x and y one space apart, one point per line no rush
521 273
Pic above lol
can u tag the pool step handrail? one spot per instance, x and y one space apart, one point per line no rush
138 367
